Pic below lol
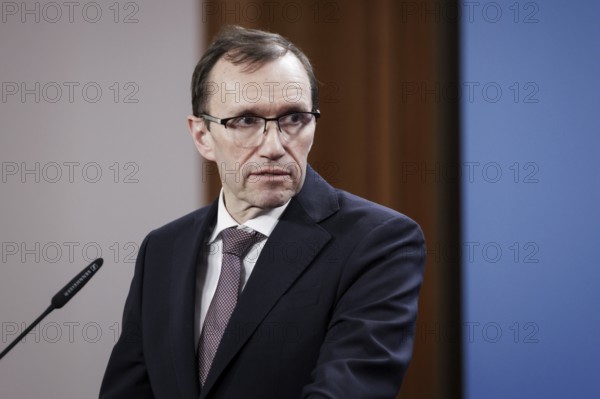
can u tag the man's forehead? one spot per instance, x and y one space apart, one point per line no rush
283 81
285 67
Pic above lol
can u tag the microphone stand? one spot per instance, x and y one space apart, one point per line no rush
26 331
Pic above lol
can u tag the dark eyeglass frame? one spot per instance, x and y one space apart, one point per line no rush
223 121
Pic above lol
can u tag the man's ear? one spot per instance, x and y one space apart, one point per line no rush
201 136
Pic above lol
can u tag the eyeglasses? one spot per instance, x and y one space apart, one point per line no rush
248 130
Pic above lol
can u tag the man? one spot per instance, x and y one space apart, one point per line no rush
320 299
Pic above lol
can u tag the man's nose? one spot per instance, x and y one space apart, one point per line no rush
271 146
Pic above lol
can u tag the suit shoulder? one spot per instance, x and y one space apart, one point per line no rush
369 213
182 224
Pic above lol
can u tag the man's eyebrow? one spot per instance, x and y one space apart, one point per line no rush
243 112
247 111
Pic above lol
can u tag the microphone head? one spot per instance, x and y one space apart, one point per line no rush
68 291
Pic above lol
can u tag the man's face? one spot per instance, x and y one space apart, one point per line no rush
269 174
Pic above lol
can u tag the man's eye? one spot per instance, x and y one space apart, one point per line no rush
244 121
294 119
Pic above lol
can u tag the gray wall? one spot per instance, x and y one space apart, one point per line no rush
86 173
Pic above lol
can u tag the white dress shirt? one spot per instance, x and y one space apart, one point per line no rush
206 283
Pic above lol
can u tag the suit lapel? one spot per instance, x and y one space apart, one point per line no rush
297 233
187 253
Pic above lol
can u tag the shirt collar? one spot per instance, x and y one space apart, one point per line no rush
264 223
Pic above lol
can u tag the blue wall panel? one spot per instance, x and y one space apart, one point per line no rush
531 189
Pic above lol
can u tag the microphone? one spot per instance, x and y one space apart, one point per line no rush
61 298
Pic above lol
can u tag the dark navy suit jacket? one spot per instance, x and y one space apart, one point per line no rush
328 312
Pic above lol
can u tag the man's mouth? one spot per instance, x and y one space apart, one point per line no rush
270 174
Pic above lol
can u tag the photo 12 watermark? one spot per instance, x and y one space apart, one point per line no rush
69 172
70 12
52 252
488 252
490 92
318 12
252 92
480 332
471 172
14 92
491 12
52 332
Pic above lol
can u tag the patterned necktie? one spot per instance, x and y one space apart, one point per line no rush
236 243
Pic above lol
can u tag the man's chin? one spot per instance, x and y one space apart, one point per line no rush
268 199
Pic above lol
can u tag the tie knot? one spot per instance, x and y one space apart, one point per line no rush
237 241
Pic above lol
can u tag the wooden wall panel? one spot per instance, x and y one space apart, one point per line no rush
386 134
